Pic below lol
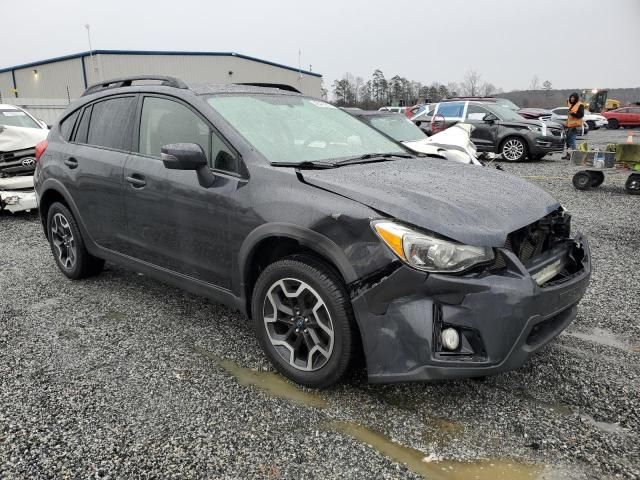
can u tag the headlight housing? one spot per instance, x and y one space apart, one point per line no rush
427 252
538 128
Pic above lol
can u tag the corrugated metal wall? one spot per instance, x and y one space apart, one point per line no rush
65 78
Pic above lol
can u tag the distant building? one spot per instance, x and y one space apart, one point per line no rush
50 84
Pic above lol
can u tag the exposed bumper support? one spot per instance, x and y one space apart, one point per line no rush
17 201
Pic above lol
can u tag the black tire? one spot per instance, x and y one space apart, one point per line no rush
64 236
582 181
592 125
596 178
613 124
514 149
632 185
336 307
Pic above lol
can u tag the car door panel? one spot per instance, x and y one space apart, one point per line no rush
172 221
95 162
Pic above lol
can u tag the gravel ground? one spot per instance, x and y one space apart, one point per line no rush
120 376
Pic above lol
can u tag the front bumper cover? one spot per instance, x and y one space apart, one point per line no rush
507 314
17 201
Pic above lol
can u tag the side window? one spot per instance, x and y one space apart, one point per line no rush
112 123
561 111
451 110
83 126
222 157
476 112
165 121
66 126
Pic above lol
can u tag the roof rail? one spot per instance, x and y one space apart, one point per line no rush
280 86
127 81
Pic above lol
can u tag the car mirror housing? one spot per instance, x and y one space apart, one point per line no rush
490 118
183 156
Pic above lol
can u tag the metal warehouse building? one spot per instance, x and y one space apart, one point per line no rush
47 86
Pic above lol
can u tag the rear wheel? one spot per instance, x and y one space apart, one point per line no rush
592 125
513 149
632 185
613 124
67 244
596 178
303 320
582 181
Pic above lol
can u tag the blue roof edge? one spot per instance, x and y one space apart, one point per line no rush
155 52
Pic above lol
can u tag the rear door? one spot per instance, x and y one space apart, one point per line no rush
634 116
94 163
484 134
172 221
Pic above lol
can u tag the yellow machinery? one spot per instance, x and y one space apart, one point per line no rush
596 101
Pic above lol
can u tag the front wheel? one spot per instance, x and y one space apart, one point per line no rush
67 244
592 125
613 124
303 320
514 149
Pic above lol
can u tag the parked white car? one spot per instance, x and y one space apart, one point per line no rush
20 132
593 120
453 144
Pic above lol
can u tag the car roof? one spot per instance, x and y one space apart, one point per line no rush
374 113
6 106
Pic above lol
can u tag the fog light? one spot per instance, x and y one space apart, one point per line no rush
450 339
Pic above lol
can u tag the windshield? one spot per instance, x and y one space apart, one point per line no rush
398 127
504 113
16 118
291 129
505 102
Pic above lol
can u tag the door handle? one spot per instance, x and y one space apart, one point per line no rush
136 181
71 162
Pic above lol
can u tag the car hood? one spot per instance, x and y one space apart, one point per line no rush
475 206
19 138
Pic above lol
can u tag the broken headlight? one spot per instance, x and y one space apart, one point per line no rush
428 252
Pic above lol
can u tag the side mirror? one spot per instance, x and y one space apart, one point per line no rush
188 156
183 156
490 118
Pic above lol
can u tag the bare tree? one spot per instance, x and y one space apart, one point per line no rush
535 83
487 89
470 86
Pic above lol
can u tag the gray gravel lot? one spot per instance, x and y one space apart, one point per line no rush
120 376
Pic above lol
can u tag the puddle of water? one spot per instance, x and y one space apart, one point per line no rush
422 464
559 408
604 426
604 337
269 382
114 315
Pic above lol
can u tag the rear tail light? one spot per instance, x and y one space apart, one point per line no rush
40 148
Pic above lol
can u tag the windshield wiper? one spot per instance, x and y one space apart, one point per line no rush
306 164
373 157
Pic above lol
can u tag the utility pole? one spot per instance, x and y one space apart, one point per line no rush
93 60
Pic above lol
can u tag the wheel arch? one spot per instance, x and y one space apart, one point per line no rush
53 191
271 242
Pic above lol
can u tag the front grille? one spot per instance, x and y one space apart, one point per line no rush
540 236
18 162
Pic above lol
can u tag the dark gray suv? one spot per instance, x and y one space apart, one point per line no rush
334 240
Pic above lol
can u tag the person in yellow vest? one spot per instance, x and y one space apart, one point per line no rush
574 122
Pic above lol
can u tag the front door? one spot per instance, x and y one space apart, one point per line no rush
485 133
172 221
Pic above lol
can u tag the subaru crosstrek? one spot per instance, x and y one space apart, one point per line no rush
332 238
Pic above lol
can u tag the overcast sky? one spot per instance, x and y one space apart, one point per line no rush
572 43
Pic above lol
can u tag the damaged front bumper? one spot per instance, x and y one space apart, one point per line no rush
502 316
14 201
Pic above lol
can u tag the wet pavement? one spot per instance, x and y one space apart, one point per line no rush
120 376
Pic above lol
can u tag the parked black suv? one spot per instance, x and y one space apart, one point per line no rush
327 234
498 129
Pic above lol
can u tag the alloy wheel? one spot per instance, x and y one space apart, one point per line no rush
298 324
513 150
63 241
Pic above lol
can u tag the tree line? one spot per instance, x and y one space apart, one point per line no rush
378 91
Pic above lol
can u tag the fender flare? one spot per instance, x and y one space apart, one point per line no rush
305 236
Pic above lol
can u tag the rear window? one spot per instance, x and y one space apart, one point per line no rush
451 110
111 123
